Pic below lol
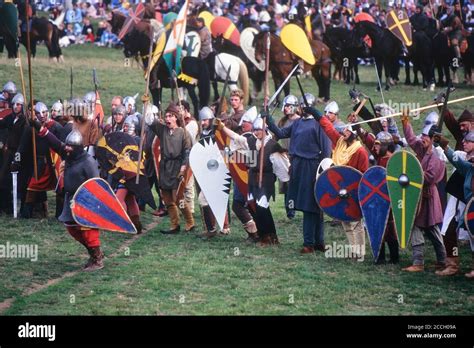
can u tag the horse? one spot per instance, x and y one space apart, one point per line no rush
222 45
43 30
283 60
9 29
443 55
137 44
238 75
420 53
345 49
386 49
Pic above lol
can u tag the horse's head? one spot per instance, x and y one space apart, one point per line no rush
218 42
116 21
260 47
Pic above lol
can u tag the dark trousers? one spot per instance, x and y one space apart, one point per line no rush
264 221
313 228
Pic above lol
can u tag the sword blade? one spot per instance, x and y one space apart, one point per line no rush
15 193
278 91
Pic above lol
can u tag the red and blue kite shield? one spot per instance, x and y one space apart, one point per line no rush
469 217
336 193
375 205
95 205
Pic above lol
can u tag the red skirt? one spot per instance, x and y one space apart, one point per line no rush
46 180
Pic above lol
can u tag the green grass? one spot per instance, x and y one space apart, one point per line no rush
164 275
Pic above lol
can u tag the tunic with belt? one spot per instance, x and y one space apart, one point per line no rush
175 146
309 145
430 212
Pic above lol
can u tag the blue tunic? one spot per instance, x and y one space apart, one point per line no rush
309 145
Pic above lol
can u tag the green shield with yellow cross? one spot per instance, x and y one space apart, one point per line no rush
405 183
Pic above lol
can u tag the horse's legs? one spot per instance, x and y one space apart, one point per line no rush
194 99
407 70
356 71
416 69
379 67
216 91
388 70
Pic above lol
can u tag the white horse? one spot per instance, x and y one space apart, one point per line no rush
238 75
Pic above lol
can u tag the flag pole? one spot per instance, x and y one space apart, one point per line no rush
33 116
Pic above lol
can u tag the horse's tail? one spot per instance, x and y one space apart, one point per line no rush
204 85
244 80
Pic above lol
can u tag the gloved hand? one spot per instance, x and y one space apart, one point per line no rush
36 124
14 167
218 124
312 111
438 99
440 140
266 116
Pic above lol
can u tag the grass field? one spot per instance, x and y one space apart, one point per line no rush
153 274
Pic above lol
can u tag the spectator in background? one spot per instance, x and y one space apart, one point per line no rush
100 31
91 11
87 26
101 8
109 39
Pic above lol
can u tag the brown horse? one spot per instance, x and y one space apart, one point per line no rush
283 60
43 30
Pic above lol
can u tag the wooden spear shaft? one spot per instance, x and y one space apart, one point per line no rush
265 107
33 116
423 108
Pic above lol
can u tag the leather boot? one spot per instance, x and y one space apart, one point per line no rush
208 217
44 210
394 251
89 262
188 218
97 260
174 220
137 223
265 241
274 239
470 275
27 211
251 228
414 268
452 267
381 259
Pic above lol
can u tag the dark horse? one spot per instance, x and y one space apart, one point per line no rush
282 62
386 49
43 30
222 45
345 48
421 54
137 44
9 29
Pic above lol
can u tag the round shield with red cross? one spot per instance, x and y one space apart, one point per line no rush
375 205
336 192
